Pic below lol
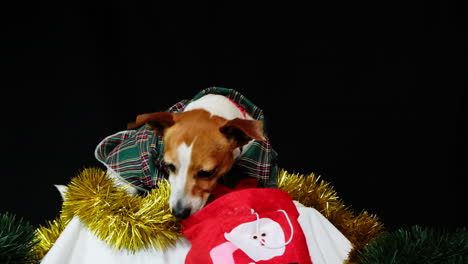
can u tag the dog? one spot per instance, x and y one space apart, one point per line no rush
218 136
201 145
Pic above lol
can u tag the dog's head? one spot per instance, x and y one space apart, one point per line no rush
199 148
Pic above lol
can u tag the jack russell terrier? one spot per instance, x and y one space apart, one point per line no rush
218 136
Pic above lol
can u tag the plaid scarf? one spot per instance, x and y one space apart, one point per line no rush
137 155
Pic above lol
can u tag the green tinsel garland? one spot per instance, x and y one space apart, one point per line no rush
418 245
17 240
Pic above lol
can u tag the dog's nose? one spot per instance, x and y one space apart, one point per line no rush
181 212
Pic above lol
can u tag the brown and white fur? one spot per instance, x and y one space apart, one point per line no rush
200 145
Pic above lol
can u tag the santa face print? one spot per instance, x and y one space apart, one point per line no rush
262 239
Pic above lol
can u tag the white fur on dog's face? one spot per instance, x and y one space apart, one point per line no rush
178 178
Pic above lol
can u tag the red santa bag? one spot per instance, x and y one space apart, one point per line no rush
247 226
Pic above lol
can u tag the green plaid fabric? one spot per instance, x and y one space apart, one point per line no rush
137 155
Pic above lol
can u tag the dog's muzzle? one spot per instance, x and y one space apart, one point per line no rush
180 211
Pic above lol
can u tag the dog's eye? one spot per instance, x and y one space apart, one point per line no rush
171 167
205 174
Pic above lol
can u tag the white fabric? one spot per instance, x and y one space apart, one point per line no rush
326 244
77 245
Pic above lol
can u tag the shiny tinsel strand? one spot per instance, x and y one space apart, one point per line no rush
418 244
17 241
48 234
123 221
314 192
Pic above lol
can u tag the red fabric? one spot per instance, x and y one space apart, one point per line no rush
243 111
226 230
245 183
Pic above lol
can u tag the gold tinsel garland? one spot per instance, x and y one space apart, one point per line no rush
48 234
113 215
136 222
311 191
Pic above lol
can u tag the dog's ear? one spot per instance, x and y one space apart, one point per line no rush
157 121
241 131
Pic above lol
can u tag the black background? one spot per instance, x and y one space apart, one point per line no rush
368 95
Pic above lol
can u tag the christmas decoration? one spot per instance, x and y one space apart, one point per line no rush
48 234
17 241
132 223
123 221
252 225
418 244
314 192
127 222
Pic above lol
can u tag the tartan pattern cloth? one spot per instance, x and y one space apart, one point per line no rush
137 155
